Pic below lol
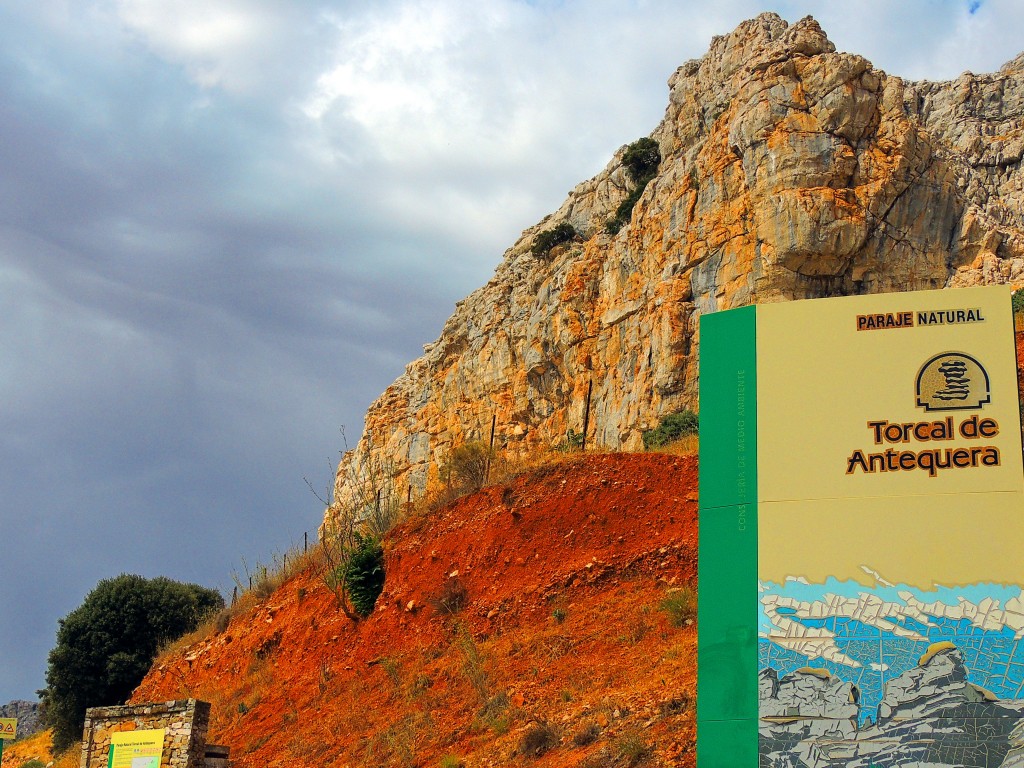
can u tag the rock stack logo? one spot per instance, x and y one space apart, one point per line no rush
952 381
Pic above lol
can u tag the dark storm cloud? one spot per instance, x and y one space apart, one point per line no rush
189 315
226 226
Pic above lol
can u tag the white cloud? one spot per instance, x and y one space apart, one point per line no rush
434 82
195 31
981 41
243 46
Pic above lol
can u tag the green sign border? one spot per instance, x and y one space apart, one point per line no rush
727 716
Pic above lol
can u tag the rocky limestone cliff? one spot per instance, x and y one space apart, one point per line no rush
788 171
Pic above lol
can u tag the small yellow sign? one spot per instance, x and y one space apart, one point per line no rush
8 727
136 749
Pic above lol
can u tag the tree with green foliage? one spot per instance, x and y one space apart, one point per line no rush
106 645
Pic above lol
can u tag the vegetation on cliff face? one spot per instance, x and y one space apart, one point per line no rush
550 239
640 160
671 428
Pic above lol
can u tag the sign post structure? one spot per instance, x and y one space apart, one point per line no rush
861 531
136 749
8 730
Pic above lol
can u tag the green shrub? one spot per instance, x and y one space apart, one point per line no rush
1017 302
33 763
451 761
546 241
106 645
641 160
573 441
671 428
364 574
624 211
681 607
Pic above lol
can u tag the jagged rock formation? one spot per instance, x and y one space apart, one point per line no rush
803 708
931 715
788 170
27 713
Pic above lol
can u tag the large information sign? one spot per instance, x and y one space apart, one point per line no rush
861 534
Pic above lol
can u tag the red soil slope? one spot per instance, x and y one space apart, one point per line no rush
562 643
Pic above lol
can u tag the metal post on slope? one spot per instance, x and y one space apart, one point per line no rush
586 415
490 448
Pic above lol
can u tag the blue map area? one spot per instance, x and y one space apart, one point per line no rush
994 657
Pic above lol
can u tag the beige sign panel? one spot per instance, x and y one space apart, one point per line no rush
888 396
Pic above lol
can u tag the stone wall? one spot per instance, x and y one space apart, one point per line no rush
185 723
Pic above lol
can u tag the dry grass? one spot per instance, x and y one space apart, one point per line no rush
688 445
503 470
681 606
265 582
37 747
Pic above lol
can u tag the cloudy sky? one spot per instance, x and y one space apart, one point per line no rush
226 225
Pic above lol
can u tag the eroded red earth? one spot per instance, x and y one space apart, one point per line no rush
562 639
